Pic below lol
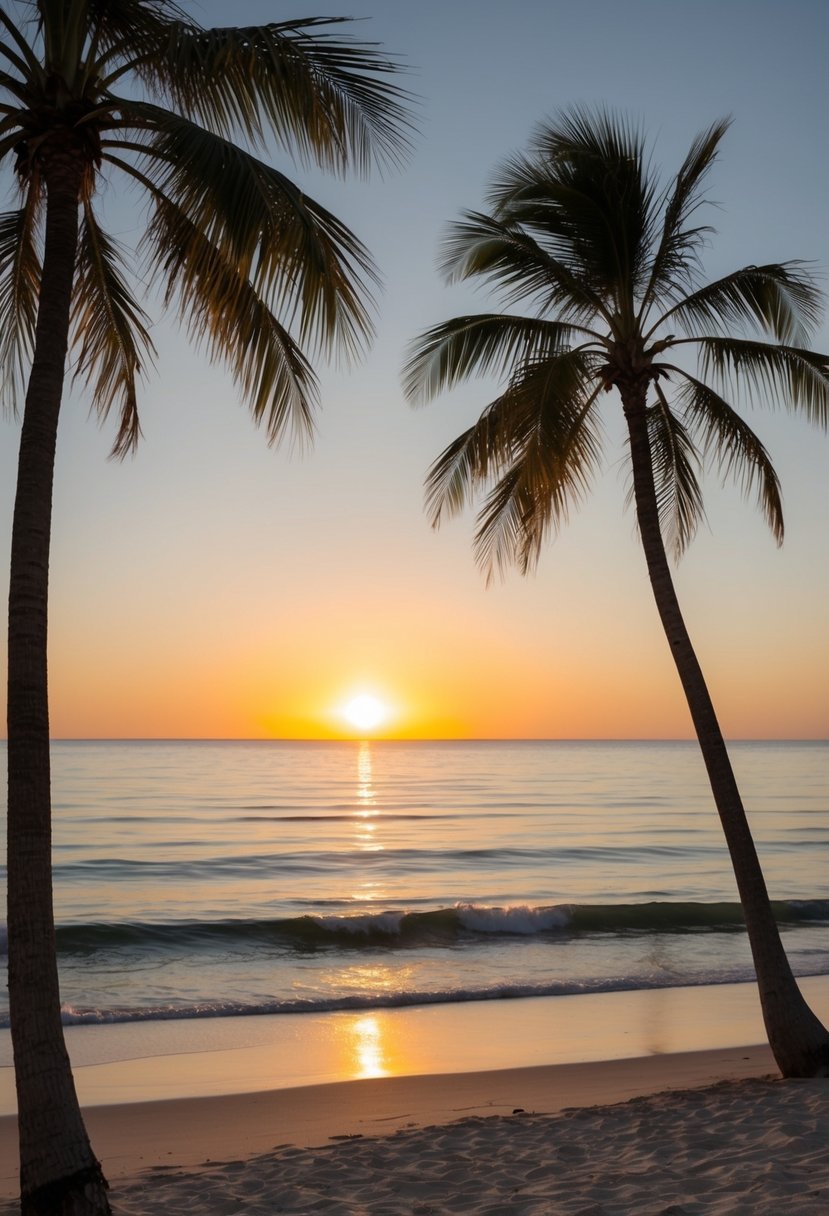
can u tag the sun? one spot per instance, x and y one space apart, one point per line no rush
365 712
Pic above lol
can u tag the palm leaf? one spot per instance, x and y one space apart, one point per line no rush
675 468
110 331
676 259
127 37
464 466
477 345
507 523
546 457
781 299
19 291
224 312
571 224
740 455
26 61
482 246
586 186
594 136
319 274
17 89
328 99
770 372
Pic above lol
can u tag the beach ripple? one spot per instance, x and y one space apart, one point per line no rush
746 1148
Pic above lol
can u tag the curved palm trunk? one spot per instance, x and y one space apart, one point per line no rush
59 1174
798 1040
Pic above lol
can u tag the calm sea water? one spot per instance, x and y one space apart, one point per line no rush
209 879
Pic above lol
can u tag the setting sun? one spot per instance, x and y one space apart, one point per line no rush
365 712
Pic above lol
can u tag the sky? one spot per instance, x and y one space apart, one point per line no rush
212 587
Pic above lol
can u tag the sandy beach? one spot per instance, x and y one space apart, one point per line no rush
698 1132
597 1105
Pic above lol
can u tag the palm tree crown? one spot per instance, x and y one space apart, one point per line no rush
609 263
136 89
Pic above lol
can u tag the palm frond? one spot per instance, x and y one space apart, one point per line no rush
508 525
535 497
115 20
224 312
128 35
25 60
733 445
330 100
17 89
781 299
478 345
464 466
538 442
591 236
596 134
770 373
586 185
675 468
318 273
482 246
676 259
20 268
110 331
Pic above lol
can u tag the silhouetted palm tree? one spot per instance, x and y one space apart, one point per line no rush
607 265
94 90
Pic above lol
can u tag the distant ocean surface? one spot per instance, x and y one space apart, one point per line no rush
205 879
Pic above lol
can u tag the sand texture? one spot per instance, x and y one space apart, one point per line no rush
750 1147
747 1147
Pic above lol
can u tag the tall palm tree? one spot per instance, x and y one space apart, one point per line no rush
93 90
607 262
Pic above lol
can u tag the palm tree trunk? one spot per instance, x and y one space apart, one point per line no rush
798 1040
59 1174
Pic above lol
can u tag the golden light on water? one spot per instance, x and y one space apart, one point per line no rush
365 819
365 788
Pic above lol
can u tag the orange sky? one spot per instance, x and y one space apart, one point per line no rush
573 652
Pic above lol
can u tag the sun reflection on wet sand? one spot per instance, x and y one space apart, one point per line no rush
368 1047
376 1045
369 1043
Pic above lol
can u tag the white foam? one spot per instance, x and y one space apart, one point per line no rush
520 918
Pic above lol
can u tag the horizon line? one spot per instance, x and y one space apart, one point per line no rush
431 739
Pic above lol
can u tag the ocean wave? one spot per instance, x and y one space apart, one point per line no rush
76 1015
460 924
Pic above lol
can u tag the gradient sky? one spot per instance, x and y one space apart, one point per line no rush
212 587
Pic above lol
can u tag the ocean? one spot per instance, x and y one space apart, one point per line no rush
198 880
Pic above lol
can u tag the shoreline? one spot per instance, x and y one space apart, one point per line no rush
419 1107
191 1133
123 1063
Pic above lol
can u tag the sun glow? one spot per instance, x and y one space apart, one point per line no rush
365 712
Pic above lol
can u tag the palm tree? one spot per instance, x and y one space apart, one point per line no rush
608 263
260 273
